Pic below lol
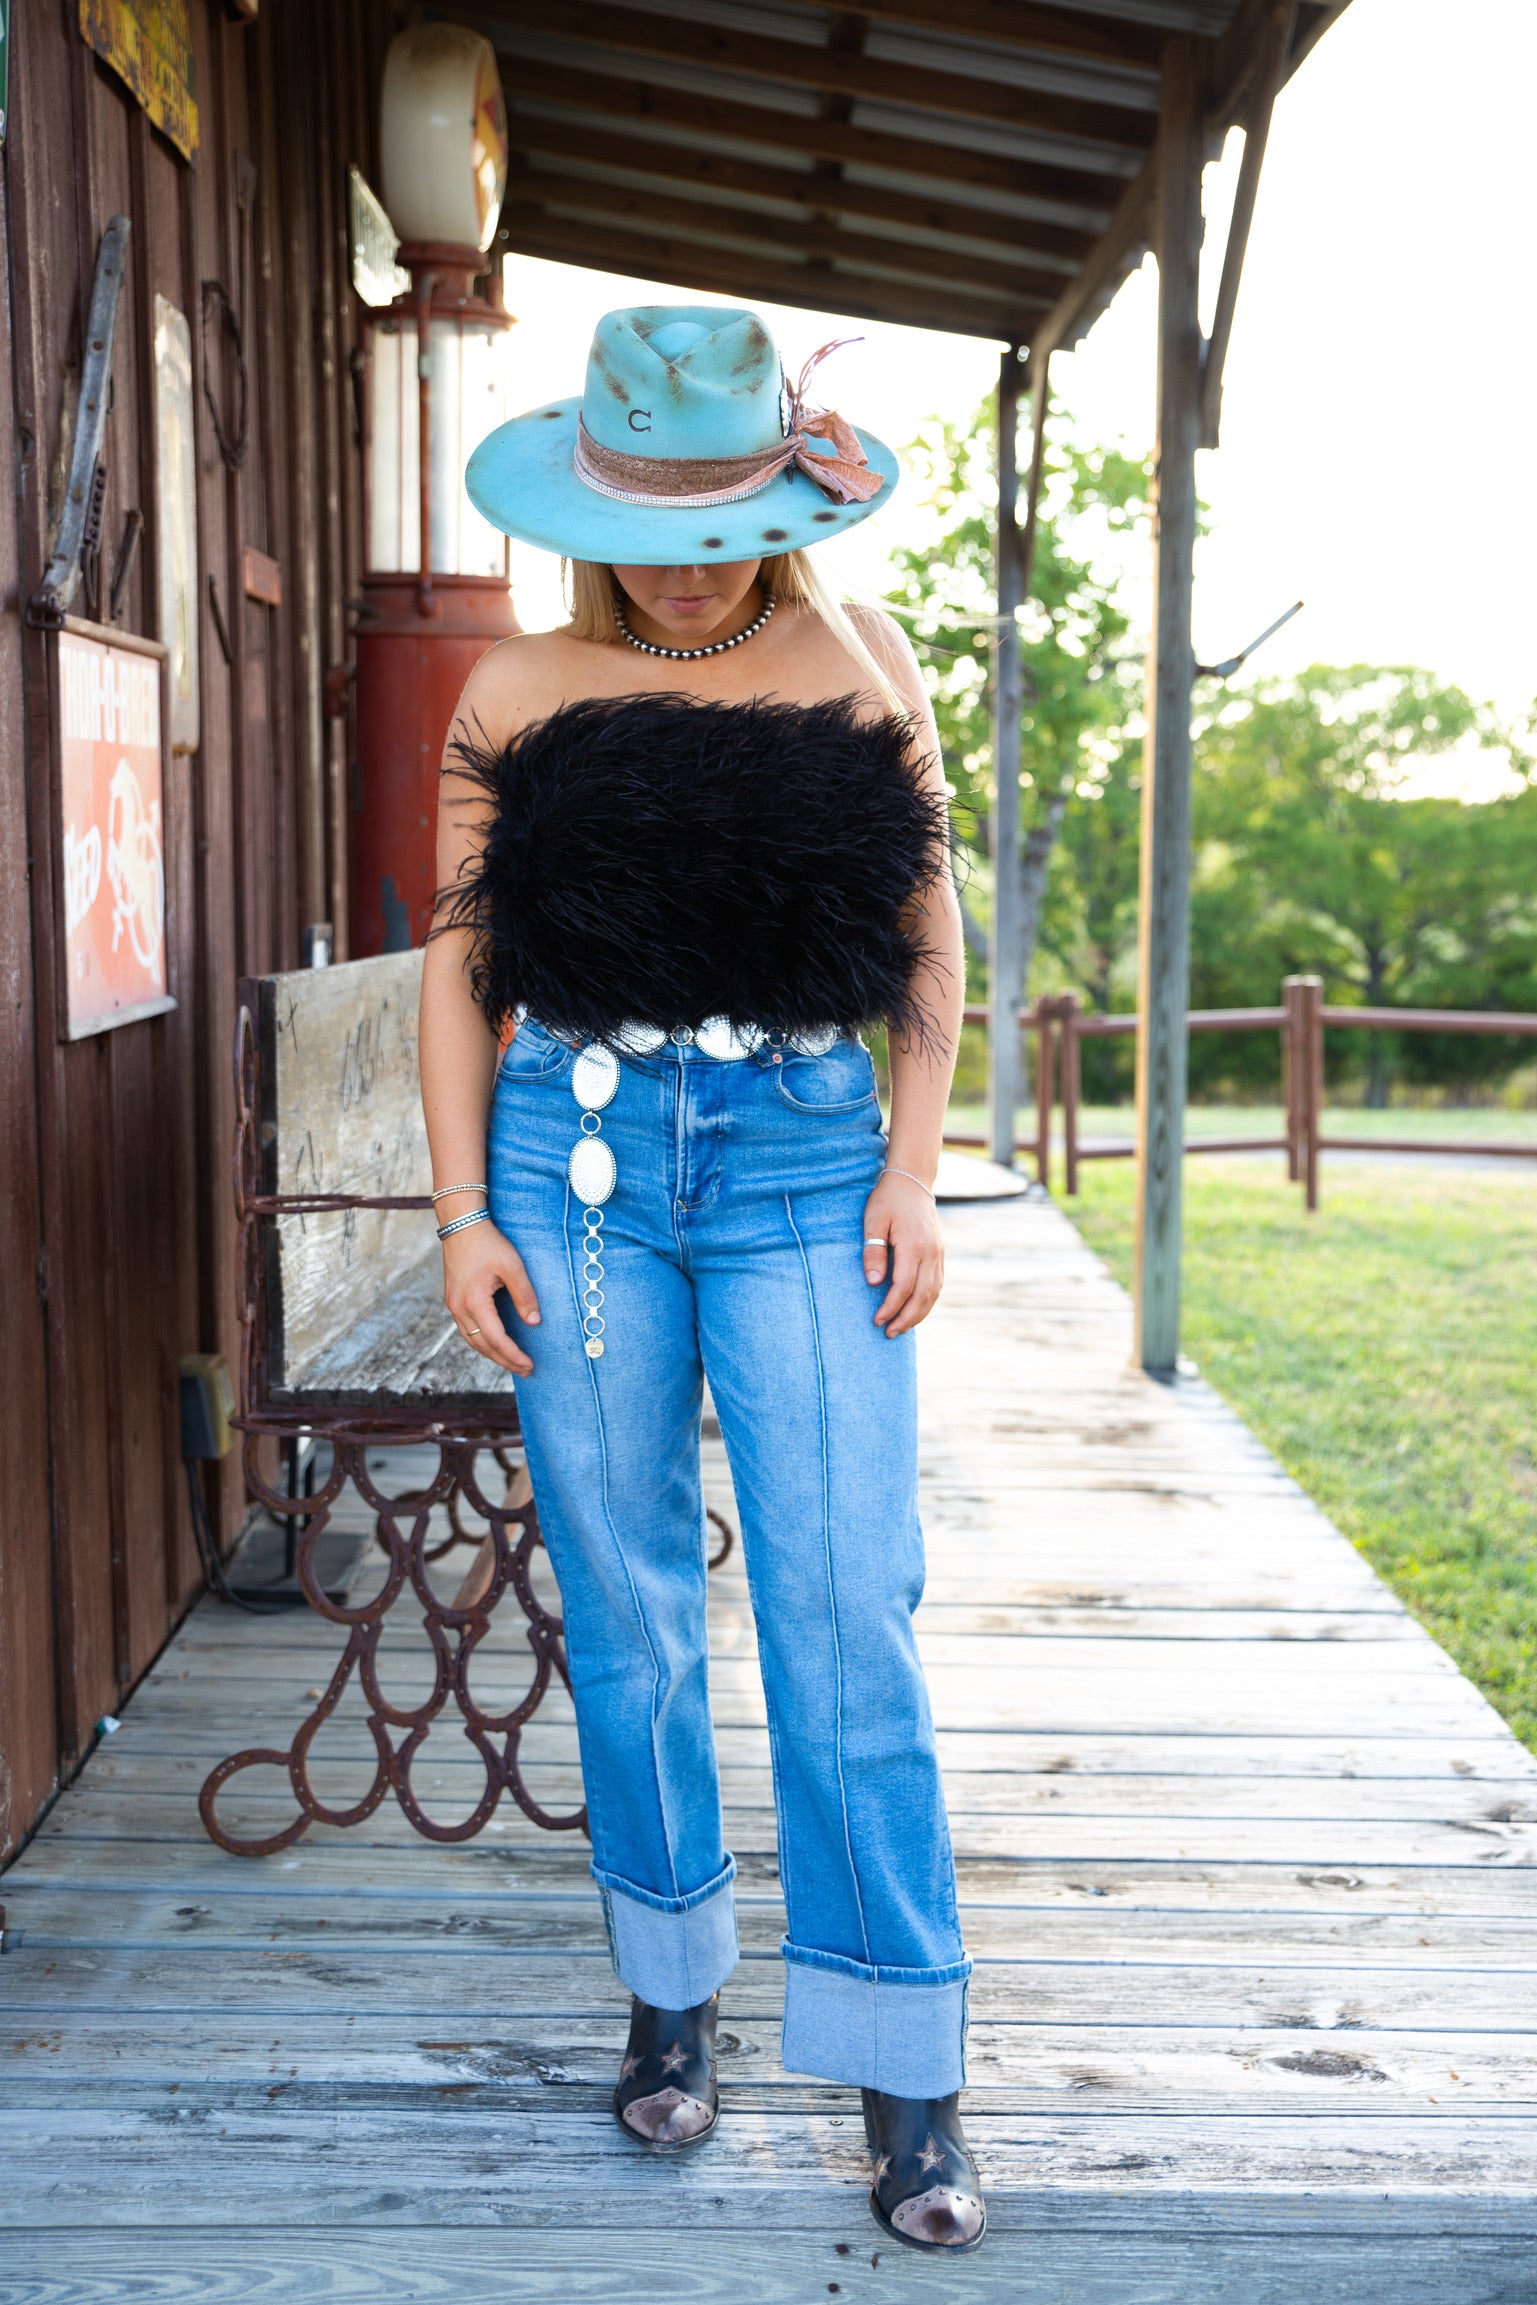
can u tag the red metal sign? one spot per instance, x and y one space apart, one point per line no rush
112 833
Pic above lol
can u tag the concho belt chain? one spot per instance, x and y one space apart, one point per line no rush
591 1170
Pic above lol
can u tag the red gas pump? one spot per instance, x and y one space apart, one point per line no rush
434 386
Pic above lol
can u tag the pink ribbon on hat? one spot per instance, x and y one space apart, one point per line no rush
841 470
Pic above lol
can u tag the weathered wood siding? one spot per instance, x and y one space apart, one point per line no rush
116 1233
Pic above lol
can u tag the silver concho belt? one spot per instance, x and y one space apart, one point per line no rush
591 1172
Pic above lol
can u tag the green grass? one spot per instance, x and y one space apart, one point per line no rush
1386 1350
1490 1124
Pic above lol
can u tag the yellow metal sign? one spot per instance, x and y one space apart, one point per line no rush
149 42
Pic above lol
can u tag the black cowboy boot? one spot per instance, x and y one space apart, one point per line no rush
926 2190
666 2097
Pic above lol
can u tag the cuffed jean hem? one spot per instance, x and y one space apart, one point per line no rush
899 2030
671 1951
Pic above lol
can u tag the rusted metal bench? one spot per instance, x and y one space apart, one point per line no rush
345 1339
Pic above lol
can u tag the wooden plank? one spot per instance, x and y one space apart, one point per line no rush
928 217
156 1784
52 2058
342 1093
949 1621
1065 1710
979 1834
401 1344
292 102
805 2171
1088 196
538 231
1120 122
224 1920
1210 2263
54 212
1020 23
221 858
1446 2262
577 192
1435 1765
1298 1665
384 1988
493 1869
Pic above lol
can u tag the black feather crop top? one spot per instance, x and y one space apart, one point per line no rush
652 860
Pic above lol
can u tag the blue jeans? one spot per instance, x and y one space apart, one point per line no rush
732 1251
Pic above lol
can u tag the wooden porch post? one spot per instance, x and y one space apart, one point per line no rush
1164 975
1003 945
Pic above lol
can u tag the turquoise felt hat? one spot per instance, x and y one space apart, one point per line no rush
687 445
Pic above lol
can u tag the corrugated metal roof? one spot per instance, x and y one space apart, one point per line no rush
947 163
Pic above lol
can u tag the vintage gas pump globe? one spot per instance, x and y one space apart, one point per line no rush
435 590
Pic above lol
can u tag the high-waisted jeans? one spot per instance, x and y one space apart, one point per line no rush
732 1251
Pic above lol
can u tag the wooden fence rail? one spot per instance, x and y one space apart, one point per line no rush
1061 1027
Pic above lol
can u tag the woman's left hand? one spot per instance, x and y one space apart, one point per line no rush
904 1247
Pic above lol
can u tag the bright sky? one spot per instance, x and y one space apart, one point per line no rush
1378 417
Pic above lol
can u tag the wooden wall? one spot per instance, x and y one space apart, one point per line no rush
116 1234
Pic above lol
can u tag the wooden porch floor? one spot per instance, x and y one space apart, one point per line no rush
1247 1870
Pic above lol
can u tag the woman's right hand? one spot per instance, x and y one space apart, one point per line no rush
476 1263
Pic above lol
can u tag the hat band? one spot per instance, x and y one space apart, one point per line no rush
677 482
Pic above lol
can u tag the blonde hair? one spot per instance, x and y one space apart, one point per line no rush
790 577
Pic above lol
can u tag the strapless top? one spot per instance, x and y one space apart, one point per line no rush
649 859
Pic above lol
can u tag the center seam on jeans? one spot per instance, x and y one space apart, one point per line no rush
680 1161
832 1598
635 1602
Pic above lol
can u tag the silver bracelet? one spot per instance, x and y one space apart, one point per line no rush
889 1171
446 1192
475 1217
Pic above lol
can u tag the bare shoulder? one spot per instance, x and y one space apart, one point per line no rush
891 649
523 678
882 635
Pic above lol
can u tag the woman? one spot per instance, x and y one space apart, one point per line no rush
689 845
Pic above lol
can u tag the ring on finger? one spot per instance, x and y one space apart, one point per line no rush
471 1332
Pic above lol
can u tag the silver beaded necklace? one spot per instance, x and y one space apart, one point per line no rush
716 647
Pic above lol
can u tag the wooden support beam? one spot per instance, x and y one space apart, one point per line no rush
1118 251
914 159
1051 31
1016 566
533 231
1164 971
1275 45
1028 239
1039 380
711 222
799 64
1003 954
1234 64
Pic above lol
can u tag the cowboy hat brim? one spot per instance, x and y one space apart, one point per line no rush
522 479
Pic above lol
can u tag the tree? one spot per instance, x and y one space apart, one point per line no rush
1308 855
1082 674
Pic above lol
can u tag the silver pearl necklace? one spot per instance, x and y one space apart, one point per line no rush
716 647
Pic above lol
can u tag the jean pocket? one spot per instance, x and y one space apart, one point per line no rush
843 1081
533 1055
